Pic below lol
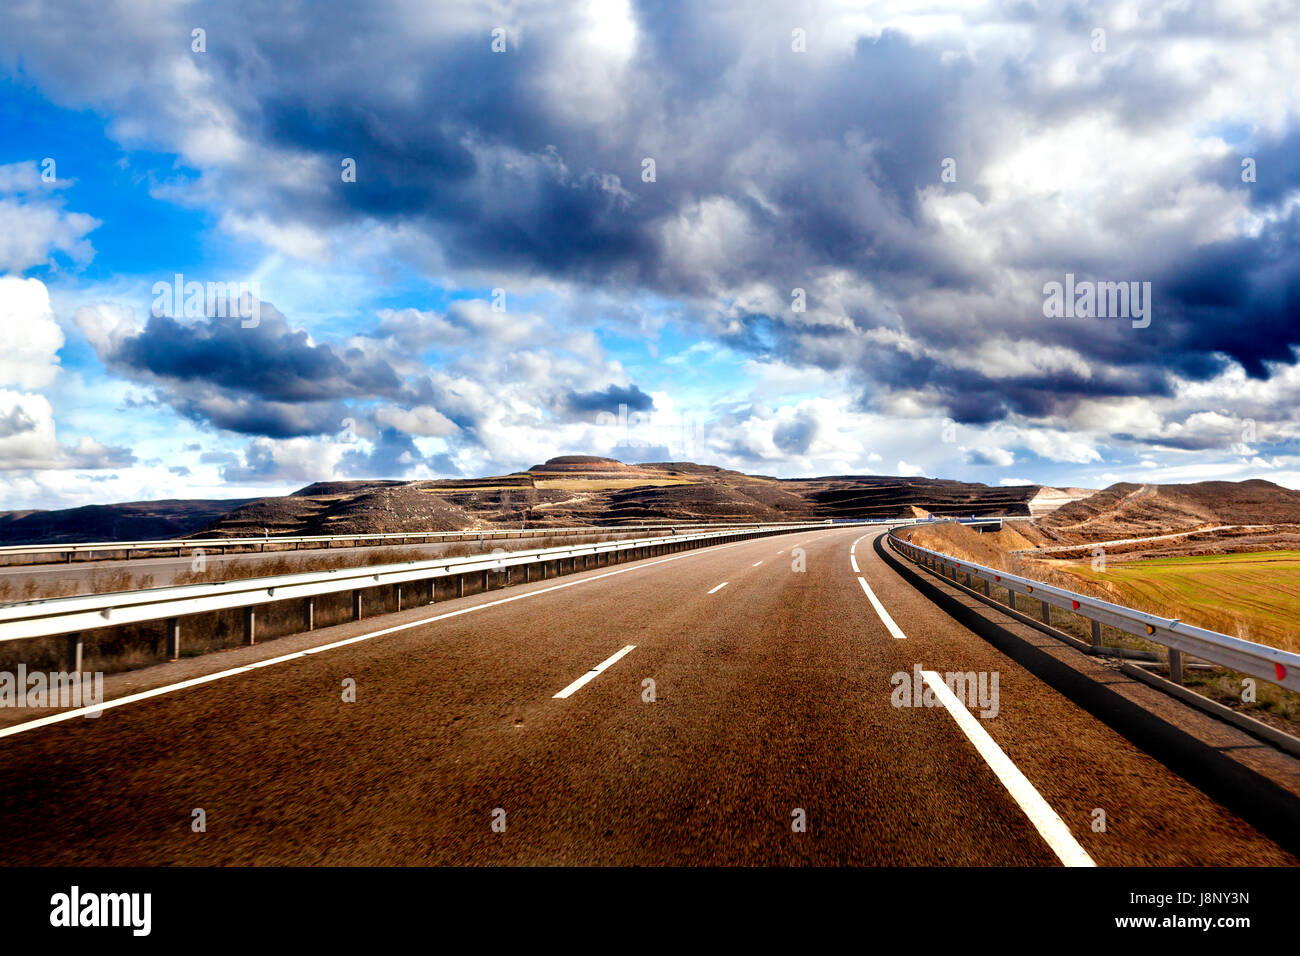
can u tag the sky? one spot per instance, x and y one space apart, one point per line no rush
245 246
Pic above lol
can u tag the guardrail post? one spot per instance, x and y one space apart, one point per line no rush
250 625
172 638
1096 633
72 653
1011 599
988 588
433 590
309 613
356 604
1175 665
460 585
397 597
486 584
1047 611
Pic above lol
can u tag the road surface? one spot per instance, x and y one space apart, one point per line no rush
517 728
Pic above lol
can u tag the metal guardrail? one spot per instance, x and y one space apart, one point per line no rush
1247 657
328 540
71 616
181 545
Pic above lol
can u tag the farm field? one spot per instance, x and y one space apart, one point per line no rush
1254 596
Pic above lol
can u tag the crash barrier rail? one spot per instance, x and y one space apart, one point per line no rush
1247 657
68 551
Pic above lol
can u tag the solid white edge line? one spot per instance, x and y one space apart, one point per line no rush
97 709
888 621
757 563
1045 820
591 674
853 560
718 588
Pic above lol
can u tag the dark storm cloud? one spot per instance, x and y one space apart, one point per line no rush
474 152
269 379
271 360
1240 298
607 401
252 416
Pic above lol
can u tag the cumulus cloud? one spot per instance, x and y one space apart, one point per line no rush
30 358
34 226
28 440
270 379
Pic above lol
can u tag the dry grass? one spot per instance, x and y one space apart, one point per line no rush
105 581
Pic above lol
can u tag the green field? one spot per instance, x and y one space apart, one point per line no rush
1253 596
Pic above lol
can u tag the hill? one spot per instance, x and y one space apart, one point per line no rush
132 520
567 490
588 490
1132 510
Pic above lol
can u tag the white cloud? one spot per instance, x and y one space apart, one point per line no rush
32 338
420 420
34 227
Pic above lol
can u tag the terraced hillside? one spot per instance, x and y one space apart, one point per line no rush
570 490
581 490
1131 510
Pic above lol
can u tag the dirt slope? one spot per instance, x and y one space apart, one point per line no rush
1131 510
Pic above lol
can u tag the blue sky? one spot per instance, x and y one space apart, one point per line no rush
799 289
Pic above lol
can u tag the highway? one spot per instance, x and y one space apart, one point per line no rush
516 727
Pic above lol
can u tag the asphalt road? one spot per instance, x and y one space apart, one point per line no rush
772 704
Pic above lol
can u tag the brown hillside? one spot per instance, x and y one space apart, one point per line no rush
1131 510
